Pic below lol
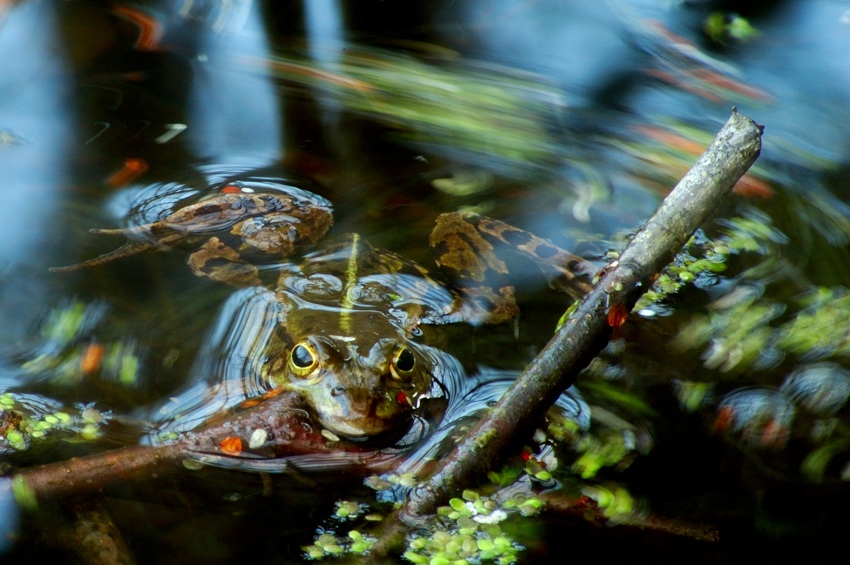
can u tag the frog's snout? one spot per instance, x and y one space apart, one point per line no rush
359 410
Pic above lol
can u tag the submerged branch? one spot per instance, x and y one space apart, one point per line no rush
92 537
695 199
649 526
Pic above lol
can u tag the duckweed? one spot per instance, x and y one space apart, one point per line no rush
598 452
16 440
31 417
615 502
90 432
702 259
507 475
23 493
329 544
468 532
348 510
405 479
63 417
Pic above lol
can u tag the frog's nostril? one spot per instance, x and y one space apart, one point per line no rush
338 391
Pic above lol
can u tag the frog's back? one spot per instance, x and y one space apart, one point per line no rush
350 274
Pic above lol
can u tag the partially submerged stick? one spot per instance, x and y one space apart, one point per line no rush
695 199
275 432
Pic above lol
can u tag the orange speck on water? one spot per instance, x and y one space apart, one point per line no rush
272 393
149 29
671 139
91 359
133 168
774 435
750 186
231 446
231 189
725 416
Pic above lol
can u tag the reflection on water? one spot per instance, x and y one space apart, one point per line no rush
569 118
325 43
217 103
36 125
228 367
822 388
761 417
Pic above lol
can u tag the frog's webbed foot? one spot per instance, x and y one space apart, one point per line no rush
466 247
220 262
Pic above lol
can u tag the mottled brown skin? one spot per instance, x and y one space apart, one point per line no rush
349 312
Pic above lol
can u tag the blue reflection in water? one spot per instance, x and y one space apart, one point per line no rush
471 396
35 126
572 42
323 20
324 31
9 516
761 417
822 388
237 114
228 366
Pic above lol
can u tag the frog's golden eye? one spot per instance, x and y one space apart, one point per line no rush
403 363
303 359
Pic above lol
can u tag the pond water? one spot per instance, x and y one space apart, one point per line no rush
716 418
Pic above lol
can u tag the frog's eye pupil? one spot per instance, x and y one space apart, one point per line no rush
302 357
405 361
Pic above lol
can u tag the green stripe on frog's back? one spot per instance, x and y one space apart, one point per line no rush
368 279
351 276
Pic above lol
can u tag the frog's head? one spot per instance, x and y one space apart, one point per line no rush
359 386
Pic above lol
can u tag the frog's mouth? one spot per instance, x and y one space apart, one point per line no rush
354 431
360 416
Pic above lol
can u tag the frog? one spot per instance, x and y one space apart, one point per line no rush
350 317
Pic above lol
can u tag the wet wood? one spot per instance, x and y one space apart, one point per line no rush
282 420
580 508
92 537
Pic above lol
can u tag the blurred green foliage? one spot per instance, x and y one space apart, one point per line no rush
487 112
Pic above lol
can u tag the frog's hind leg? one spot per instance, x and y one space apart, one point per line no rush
140 239
220 262
468 245
132 247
